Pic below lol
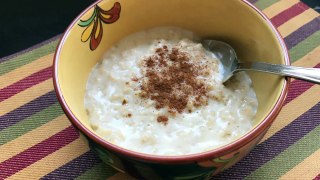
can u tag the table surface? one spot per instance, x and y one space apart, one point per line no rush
37 140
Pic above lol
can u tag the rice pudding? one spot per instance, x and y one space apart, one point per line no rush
160 92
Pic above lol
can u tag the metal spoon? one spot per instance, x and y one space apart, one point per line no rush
229 60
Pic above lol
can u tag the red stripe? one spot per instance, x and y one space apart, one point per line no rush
25 83
298 87
37 152
317 177
286 15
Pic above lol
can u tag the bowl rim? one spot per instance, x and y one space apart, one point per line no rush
226 149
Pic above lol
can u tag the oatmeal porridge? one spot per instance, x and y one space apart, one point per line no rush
160 92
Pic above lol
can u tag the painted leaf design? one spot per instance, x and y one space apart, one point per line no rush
105 16
94 29
94 42
87 33
85 23
99 30
114 13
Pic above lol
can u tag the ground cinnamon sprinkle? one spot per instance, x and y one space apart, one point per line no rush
163 119
171 80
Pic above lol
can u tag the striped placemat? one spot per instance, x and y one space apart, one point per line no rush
37 140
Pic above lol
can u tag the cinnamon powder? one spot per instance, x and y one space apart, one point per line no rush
163 120
171 80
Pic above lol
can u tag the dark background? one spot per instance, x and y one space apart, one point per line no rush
24 23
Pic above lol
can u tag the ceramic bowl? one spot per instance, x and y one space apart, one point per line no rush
107 21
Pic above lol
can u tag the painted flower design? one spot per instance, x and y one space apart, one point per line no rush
94 29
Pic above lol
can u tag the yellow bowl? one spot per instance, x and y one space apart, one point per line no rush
105 22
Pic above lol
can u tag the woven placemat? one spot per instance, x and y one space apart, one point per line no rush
37 140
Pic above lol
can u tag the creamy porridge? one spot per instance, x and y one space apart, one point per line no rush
160 92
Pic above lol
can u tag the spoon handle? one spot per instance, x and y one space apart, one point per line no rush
307 74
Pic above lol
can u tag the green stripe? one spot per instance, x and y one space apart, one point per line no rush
30 123
99 171
27 57
289 158
263 4
305 47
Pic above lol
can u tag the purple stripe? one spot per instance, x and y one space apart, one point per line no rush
75 168
273 146
302 33
27 110
6 58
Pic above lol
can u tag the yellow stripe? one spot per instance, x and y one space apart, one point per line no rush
33 137
297 22
26 70
54 160
294 109
278 7
25 96
308 168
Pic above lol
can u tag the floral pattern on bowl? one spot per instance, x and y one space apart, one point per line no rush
94 29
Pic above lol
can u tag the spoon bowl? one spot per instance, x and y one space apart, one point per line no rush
231 64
